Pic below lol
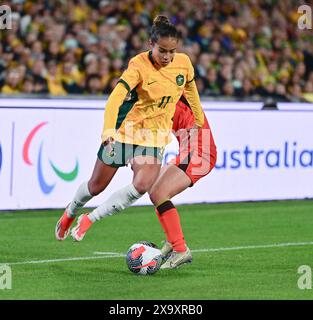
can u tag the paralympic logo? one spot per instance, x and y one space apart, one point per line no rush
44 185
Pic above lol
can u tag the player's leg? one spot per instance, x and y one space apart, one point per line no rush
104 170
172 181
117 201
146 171
145 174
101 177
146 163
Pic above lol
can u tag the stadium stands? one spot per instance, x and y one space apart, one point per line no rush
246 49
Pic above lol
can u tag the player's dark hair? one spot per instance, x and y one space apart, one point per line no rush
162 27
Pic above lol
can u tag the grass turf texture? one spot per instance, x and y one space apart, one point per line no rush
259 273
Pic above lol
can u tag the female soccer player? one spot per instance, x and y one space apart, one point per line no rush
196 158
137 126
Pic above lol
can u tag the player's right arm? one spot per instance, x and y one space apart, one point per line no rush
115 100
128 81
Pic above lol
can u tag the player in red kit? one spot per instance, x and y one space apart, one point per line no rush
196 158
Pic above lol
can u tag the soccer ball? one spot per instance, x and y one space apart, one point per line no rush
144 258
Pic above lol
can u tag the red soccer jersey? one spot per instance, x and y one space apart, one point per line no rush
197 158
184 119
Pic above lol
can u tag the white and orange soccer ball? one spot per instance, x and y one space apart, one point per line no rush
144 258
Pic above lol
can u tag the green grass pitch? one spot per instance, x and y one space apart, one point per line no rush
240 251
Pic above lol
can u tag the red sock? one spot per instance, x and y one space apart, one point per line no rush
170 221
161 220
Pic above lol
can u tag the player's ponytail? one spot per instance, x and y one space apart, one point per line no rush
162 27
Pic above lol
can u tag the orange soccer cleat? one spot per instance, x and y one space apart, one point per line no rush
62 227
83 224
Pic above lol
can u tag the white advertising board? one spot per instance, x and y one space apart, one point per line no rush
47 150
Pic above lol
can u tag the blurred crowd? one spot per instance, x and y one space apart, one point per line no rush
241 48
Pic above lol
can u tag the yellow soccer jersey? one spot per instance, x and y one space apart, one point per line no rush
145 116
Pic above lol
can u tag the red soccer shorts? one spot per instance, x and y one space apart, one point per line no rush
197 155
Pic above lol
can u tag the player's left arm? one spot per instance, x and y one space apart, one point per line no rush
192 96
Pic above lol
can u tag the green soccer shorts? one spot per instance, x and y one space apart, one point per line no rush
117 154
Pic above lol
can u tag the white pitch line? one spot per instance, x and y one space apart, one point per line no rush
117 255
262 246
104 255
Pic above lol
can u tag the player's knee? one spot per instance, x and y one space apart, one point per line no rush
95 187
142 186
156 195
